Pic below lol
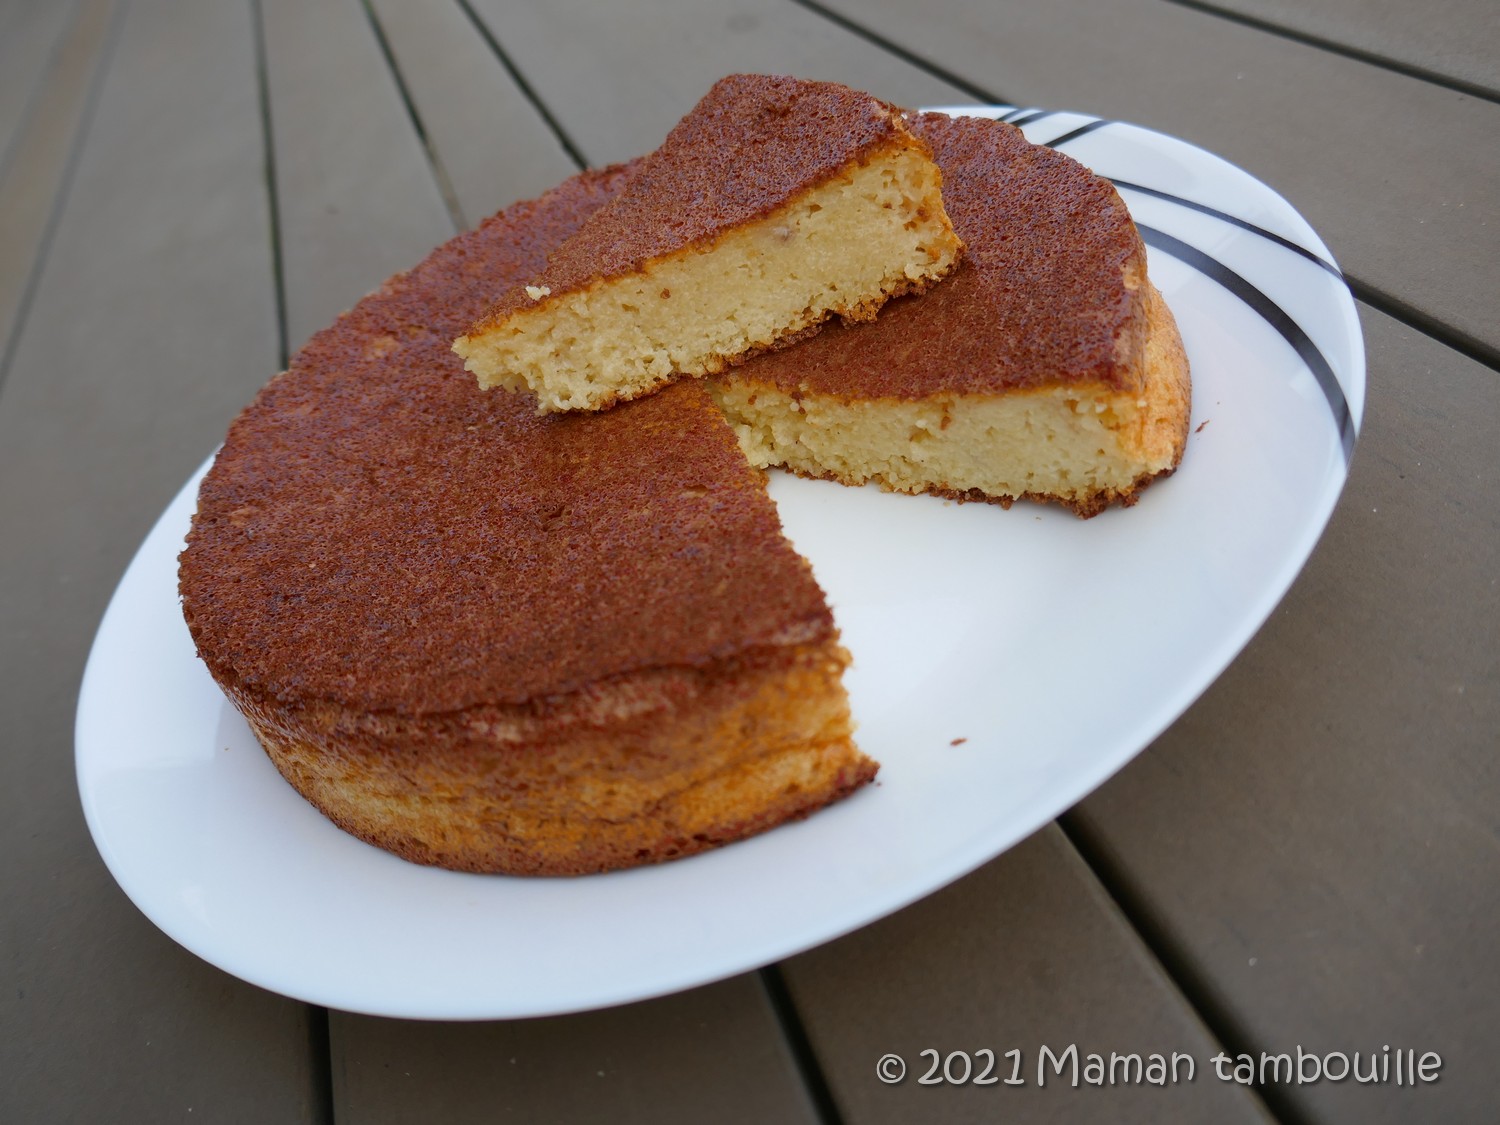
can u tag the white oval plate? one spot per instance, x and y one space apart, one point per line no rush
1055 649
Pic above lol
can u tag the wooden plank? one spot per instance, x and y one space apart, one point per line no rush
1027 952
712 1054
1454 39
1318 833
33 172
618 84
1397 174
495 146
358 197
30 35
153 320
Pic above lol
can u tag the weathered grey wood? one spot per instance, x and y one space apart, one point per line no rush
1457 39
1027 952
358 198
619 76
32 176
153 320
1318 833
30 34
1397 174
712 1054
495 146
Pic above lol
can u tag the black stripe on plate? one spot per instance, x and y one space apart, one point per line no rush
1274 315
1243 224
1074 134
1019 111
1026 117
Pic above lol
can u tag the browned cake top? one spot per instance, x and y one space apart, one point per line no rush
1039 298
379 532
750 145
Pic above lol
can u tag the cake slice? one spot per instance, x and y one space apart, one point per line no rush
774 205
501 642
1047 366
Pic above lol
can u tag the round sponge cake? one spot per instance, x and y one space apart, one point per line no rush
495 641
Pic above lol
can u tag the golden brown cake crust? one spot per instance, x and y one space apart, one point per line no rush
798 134
1169 394
1041 232
379 534
655 769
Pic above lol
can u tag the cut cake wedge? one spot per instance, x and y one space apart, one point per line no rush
774 205
1046 367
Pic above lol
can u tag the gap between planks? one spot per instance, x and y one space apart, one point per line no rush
525 87
1230 1032
1372 58
803 1056
439 172
65 179
268 165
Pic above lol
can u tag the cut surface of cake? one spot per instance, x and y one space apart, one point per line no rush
495 641
774 205
1047 366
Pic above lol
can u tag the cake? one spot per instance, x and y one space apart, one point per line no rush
501 642
774 205
498 639
1047 366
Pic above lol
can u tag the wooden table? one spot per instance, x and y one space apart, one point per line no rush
1310 856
